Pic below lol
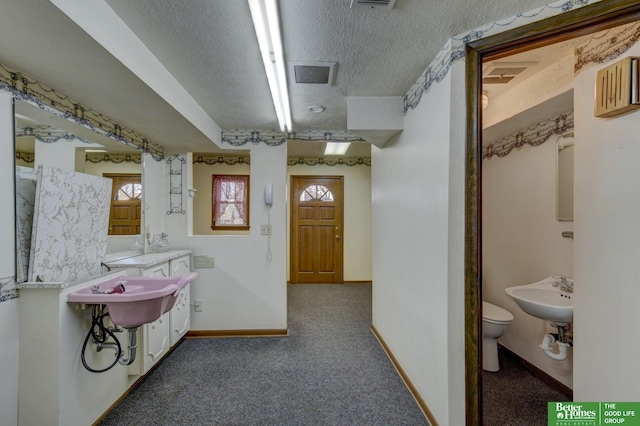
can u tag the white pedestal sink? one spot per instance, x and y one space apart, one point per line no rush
545 300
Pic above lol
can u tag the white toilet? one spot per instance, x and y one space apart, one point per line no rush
495 321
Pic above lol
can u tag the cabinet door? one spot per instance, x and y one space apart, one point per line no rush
156 340
153 338
180 321
180 266
161 270
180 315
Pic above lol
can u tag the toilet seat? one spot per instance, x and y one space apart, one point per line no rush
495 314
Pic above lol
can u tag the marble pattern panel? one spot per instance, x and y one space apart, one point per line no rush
25 198
8 289
70 226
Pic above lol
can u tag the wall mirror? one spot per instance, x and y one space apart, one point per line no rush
564 181
44 138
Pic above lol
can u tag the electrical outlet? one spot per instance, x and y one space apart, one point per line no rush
197 305
265 229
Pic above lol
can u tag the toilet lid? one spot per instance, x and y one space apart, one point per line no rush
495 313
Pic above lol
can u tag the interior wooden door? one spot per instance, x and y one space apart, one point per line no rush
316 229
124 217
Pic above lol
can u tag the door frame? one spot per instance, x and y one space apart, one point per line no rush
582 21
340 266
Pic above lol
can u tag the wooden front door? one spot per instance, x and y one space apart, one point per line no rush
316 229
124 217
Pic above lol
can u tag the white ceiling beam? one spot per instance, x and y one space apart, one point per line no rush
98 20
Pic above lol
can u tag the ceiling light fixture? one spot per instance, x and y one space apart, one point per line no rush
267 25
315 108
485 99
336 148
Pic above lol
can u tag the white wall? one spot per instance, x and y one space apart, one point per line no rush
202 202
60 154
155 198
245 290
456 248
9 361
607 243
8 309
357 216
412 255
55 388
357 209
7 183
522 243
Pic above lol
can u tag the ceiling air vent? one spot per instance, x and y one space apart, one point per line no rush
504 72
373 4
312 72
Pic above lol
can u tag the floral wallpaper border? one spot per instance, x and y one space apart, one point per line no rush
329 161
275 138
533 136
233 159
454 49
228 159
606 46
48 134
27 157
92 157
36 93
114 157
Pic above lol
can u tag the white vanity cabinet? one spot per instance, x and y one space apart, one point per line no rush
180 318
156 338
56 330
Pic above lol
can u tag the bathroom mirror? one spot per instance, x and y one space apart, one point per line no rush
44 138
564 178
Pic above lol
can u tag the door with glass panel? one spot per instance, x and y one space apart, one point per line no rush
126 194
316 229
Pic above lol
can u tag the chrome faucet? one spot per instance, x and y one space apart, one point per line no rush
564 284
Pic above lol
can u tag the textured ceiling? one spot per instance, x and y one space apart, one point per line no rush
210 48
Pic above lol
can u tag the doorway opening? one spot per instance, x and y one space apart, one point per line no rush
317 211
587 20
126 196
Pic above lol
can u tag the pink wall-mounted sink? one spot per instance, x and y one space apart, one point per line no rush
143 300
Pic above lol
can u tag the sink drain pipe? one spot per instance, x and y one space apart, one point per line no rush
100 334
546 346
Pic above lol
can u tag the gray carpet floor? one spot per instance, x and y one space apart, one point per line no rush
330 370
513 397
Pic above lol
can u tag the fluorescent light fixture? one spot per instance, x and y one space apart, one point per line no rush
267 25
336 148
95 150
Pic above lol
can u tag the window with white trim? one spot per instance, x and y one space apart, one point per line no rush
230 202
